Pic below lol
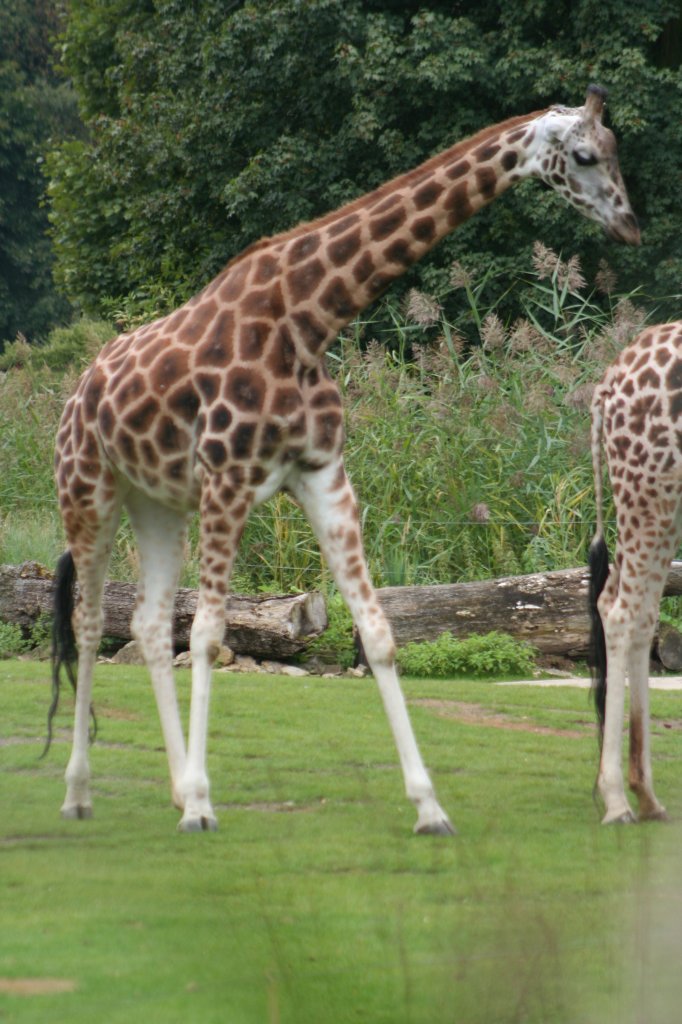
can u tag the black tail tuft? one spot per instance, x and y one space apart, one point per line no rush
599 573
64 653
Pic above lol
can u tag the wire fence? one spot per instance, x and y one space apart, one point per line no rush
44 504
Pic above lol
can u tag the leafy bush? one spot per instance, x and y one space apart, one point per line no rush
491 654
336 643
11 640
75 346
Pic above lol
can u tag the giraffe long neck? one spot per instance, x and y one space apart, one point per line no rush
329 270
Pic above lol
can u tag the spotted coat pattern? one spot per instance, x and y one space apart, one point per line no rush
228 399
637 415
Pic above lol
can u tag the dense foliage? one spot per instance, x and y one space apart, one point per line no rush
491 654
34 107
211 124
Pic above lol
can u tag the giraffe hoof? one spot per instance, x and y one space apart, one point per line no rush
444 827
77 812
205 823
626 818
655 814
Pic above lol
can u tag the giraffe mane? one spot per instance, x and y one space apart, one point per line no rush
401 180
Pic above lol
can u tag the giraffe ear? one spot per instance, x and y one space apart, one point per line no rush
594 102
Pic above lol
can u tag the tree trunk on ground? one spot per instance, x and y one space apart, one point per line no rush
669 647
267 626
547 609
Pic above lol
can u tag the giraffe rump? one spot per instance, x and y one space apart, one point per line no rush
598 562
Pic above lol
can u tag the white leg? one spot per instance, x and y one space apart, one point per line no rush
629 610
160 533
78 801
652 572
617 631
91 562
329 502
223 514
207 632
640 774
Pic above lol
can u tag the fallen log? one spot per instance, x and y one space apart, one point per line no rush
266 626
668 647
547 609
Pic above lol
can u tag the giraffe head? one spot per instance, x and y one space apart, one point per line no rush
576 155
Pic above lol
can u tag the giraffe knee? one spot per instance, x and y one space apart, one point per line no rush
377 640
207 634
87 626
153 633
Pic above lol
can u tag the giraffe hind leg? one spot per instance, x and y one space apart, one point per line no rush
610 699
90 546
160 534
652 573
629 624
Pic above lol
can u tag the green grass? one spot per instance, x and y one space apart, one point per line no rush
314 902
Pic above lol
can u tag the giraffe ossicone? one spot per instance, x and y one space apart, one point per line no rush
228 399
636 418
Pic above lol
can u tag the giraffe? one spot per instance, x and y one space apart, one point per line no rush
636 415
226 400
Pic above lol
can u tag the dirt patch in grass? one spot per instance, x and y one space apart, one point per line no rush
119 714
36 986
272 807
476 714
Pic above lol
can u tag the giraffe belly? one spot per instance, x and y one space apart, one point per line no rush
170 482
272 483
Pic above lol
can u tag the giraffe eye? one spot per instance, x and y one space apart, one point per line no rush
584 159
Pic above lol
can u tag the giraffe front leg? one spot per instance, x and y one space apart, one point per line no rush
207 632
329 502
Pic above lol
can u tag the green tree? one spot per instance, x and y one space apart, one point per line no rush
34 106
212 124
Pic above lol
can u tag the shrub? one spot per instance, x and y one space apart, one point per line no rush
11 640
491 654
336 643
75 345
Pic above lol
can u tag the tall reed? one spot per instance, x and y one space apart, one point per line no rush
467 436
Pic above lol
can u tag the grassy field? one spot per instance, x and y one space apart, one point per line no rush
314 902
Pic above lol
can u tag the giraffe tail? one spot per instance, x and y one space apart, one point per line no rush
64 653
598 564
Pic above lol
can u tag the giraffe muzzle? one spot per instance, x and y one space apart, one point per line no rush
626 230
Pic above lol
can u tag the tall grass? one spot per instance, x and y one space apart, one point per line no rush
467 438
